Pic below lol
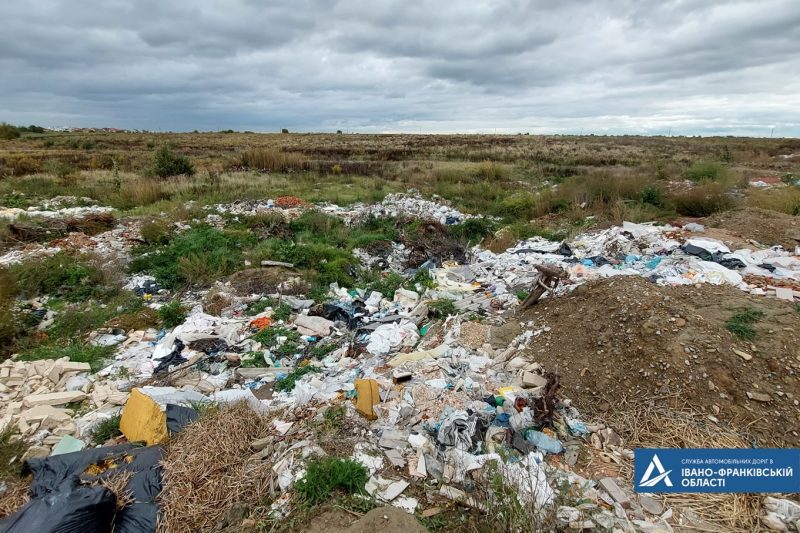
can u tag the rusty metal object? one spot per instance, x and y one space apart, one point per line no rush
548 279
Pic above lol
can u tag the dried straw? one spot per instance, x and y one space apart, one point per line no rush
206 469
14 497
117 483
648 424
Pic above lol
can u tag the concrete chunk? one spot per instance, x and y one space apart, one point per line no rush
42 412
53 398
313 325
613 490
72 366
531 380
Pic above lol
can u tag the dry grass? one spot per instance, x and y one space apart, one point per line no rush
206 469
117 483
644 425
270 160
785 200
15 496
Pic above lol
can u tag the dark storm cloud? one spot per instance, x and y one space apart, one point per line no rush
512 65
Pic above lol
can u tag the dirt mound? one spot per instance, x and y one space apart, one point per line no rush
627 337
386 519
766 227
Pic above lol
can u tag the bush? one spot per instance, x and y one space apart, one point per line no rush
653 195
166 163
705 171
702 200
156 232
8 132
172 314
324 475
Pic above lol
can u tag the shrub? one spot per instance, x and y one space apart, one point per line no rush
702 200
166 163
385 284
8 132
705 171
268 224
325 475
269 336
156 232
473 230
284 130
172 314
653 195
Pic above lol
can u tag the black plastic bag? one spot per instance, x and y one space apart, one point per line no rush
50 474
69 508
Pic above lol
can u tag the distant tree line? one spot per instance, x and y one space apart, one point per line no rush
7 131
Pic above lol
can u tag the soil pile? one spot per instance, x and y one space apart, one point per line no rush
623 337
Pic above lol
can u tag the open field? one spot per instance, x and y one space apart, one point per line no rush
370 290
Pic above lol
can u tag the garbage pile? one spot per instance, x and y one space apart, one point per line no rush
666 255
443 396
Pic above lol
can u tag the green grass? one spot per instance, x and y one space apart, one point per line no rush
172 314
199 256
705 171
741 323
60 275
326 475
279 312
442 308
96 356
107 429
11 451
319 351
287 384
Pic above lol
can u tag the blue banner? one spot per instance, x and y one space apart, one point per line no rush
716 469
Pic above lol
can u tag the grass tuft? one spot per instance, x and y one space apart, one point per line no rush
325 475
741 323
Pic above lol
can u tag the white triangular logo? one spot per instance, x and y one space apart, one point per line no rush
655 464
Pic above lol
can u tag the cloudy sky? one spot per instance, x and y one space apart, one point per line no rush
541 66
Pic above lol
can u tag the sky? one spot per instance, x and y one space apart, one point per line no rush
659 67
